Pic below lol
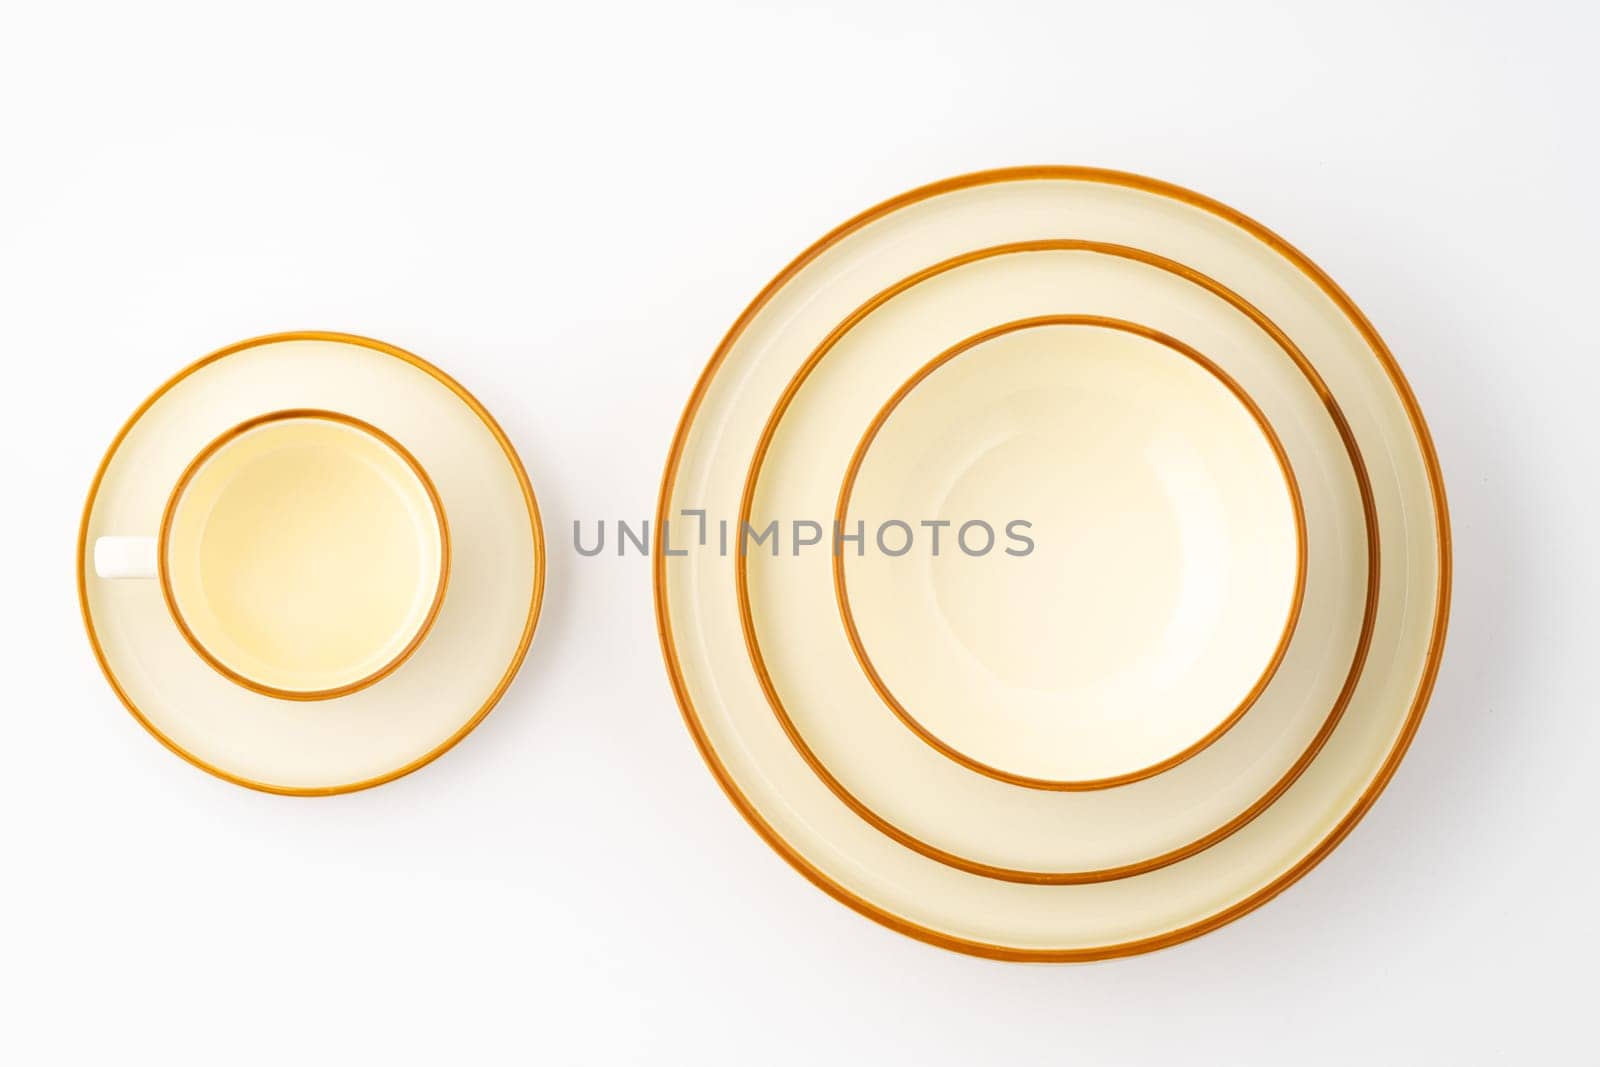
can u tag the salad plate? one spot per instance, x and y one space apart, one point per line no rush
875 756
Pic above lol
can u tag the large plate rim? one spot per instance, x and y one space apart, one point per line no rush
1425 683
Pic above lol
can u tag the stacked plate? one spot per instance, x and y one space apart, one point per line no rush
1082 564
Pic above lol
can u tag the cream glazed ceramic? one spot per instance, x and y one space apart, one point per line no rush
1162 571
896 776
461 545
304 554
767 773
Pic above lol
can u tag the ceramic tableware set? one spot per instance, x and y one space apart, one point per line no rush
1184 618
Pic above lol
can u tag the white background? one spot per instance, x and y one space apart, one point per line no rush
565 208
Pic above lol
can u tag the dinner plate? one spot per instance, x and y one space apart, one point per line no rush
478 632
908 789
780 792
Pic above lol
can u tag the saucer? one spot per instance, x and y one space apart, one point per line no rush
479 631
1373 708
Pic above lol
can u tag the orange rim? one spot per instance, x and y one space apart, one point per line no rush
489 423
1383 773
163 541
1335 712
906 716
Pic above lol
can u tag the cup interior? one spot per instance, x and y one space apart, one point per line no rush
1144 602
304 554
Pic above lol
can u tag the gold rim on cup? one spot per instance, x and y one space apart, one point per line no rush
163 543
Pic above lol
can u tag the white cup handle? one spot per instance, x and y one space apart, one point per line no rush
125 557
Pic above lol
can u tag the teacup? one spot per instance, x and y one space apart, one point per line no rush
302 553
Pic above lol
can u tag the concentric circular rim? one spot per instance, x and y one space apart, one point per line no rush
1336 710
535 600
1381 775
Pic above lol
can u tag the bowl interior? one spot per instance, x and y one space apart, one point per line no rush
1117 556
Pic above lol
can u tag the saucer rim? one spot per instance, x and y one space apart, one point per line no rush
1382 773
529 499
